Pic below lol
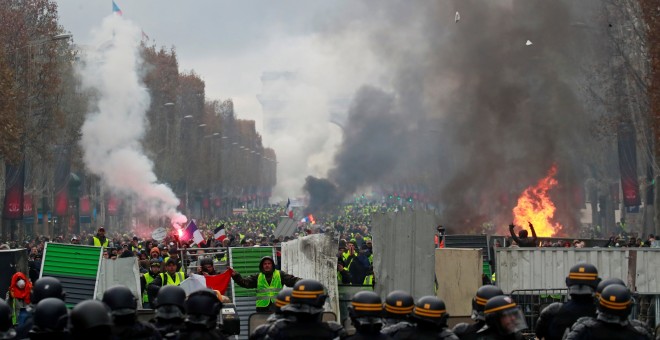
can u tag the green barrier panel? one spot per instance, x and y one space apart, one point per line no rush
75 266
246 261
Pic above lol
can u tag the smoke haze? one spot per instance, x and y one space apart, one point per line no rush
466 109
115 125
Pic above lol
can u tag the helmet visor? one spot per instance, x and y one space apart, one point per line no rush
512 321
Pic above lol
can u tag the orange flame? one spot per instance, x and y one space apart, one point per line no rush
535 206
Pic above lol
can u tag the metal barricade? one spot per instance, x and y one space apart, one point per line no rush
533 301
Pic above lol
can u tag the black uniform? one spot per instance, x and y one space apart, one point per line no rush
557 318
303 328
487 333
596 328
465 331
127 327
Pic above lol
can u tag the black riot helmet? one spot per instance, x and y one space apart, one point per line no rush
365 304
504 315
202 308
582 279
615 300
51 315
607 282
484 293
5 316
170 295
171 303
283 298
398 304
46 287
89 314
121 300
432 310
308 297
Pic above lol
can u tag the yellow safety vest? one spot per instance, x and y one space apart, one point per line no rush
148 279
167 279
368 280
97 242
266 293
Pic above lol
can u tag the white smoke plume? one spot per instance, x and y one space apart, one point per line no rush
113 129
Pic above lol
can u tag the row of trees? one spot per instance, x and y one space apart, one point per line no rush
212 160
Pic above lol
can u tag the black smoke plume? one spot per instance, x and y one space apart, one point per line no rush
471 114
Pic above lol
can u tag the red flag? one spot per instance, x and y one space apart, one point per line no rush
219 282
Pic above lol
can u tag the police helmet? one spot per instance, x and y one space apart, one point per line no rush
170 295
484 293
504 315
51 315
121 300
203 302
430 309
283 298
365 304
202 308
5 316
582 279
47 287
606 283
398 304
89 314
616 300
308 296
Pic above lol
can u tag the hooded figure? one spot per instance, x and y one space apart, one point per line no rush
18 297
268 282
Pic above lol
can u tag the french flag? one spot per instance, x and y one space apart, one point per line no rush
289 209
192 233
220 233
115 9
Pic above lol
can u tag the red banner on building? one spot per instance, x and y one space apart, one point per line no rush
14 192
27 206
85 206
113 205
628 167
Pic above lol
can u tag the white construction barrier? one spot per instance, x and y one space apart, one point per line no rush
314 257
122 271
404 255
547 268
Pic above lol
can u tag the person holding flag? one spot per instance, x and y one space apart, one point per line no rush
268 283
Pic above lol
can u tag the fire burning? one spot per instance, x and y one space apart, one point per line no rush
535 206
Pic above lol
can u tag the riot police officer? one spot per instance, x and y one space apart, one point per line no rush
90 320
430 316
123 306
504 320
6 329
465 331
614 306
51 319
366 311
282 299
398 309
605 283
557 318
45 287
170 311
202 309
306 310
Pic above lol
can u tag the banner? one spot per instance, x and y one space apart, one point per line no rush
113 205
85 206
28 206
62 169
628 167
14 192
